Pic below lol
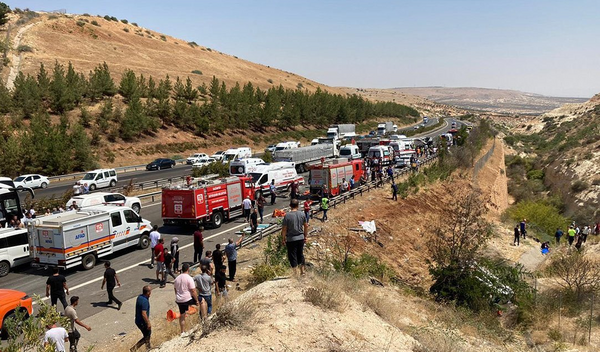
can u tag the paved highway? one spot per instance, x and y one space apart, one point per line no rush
131 264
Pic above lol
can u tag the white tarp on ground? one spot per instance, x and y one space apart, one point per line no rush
368 226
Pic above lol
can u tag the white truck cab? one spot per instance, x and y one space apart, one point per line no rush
350 151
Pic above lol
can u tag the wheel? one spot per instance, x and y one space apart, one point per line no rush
20 187
88 261
113 183
11 316
144 241
217 219
136 207
171 166
44 185
92 187
4 268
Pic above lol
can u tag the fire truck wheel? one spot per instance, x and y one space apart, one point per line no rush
217 219
88 261
144 241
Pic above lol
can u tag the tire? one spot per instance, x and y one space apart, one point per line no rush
217 219
92 187
113 183
144 241
44 185
88 261
11 315
4 268
136 207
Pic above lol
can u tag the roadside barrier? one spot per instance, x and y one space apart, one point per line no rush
118 169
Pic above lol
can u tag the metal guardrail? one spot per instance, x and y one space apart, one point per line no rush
118 169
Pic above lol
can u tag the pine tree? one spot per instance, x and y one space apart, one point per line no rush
76 84
26 95
10 149
43 81
85 118
190 93
135 120
129 86
6 102
62 97
4 11
101 83
83 157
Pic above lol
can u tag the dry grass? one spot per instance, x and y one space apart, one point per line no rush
233 314
328 295
437 340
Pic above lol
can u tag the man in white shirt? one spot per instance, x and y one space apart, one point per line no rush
247 205
154 237
77 188
56 336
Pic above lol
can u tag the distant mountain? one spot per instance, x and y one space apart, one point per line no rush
490 100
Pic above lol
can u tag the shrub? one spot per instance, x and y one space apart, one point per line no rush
579 186
209 49
299 85
107 17
124 21
86 14
95 23
126 30
267 157
233 314
535 175
134 24
325 295
540 215
197 72
575 272
192 44
24 49
52 17
163 38
112 18
213 168
80 23
270 81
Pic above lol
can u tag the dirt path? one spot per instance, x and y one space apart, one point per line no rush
532 259
16 57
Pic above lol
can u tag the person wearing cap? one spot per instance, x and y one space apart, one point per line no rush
175 254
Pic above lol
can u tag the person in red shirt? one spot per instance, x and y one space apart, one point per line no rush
198 244
159 257
307 209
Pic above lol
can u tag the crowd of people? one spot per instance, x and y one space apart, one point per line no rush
576 234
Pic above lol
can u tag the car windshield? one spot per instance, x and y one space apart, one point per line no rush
345 152
255 176
89 176
230 156
19 179
279 148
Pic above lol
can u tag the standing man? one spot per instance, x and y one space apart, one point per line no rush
204 283
571 234
142 318
523 229
254 221
56 286
231 252
272 190
208 262
559 233
294 234
159 252
154 237
221 282
56 336
307 209
293 190
324 207
175 254
217 257
394 191
168 257
74 335
247 205
111 280
260 204
198 243
185 294
517 241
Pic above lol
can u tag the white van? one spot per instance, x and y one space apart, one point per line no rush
381 155
236 153
283 172
314 141
287 145
245 166
98 198
350 151
100 178
14 249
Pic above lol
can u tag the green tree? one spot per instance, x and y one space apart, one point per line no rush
100 83
129 86
83 157
11 155
4 11
62 96
85 118
6 102
26 95
43 81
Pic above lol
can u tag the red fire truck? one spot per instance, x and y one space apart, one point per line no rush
331 173
207 200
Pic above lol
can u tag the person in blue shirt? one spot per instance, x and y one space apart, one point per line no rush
231 253
559 233
522 225
142 317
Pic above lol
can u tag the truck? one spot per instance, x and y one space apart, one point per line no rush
366 143
81 237
425 119
206 200
341 131
331 173
386 127
301 156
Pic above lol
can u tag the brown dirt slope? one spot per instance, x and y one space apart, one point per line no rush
122 46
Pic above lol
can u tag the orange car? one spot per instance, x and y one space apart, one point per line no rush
10 302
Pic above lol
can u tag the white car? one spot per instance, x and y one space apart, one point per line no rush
192 159
203 162
218 155
98 198
31 181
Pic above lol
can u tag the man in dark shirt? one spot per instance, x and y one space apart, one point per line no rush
294 234
254 220
56 285
142 318
198 244
207 261
221 282
111 280
168 257
217 257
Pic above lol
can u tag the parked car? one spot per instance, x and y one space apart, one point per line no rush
270 148
100 178
12 301
192 159
203 162
7 182
31 181
14 249
218 155
161 163
88 200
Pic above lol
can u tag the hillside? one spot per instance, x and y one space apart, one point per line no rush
489 100
73 38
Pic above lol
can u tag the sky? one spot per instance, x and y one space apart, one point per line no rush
550 47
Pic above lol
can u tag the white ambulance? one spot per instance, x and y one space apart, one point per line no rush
283 172
80 237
